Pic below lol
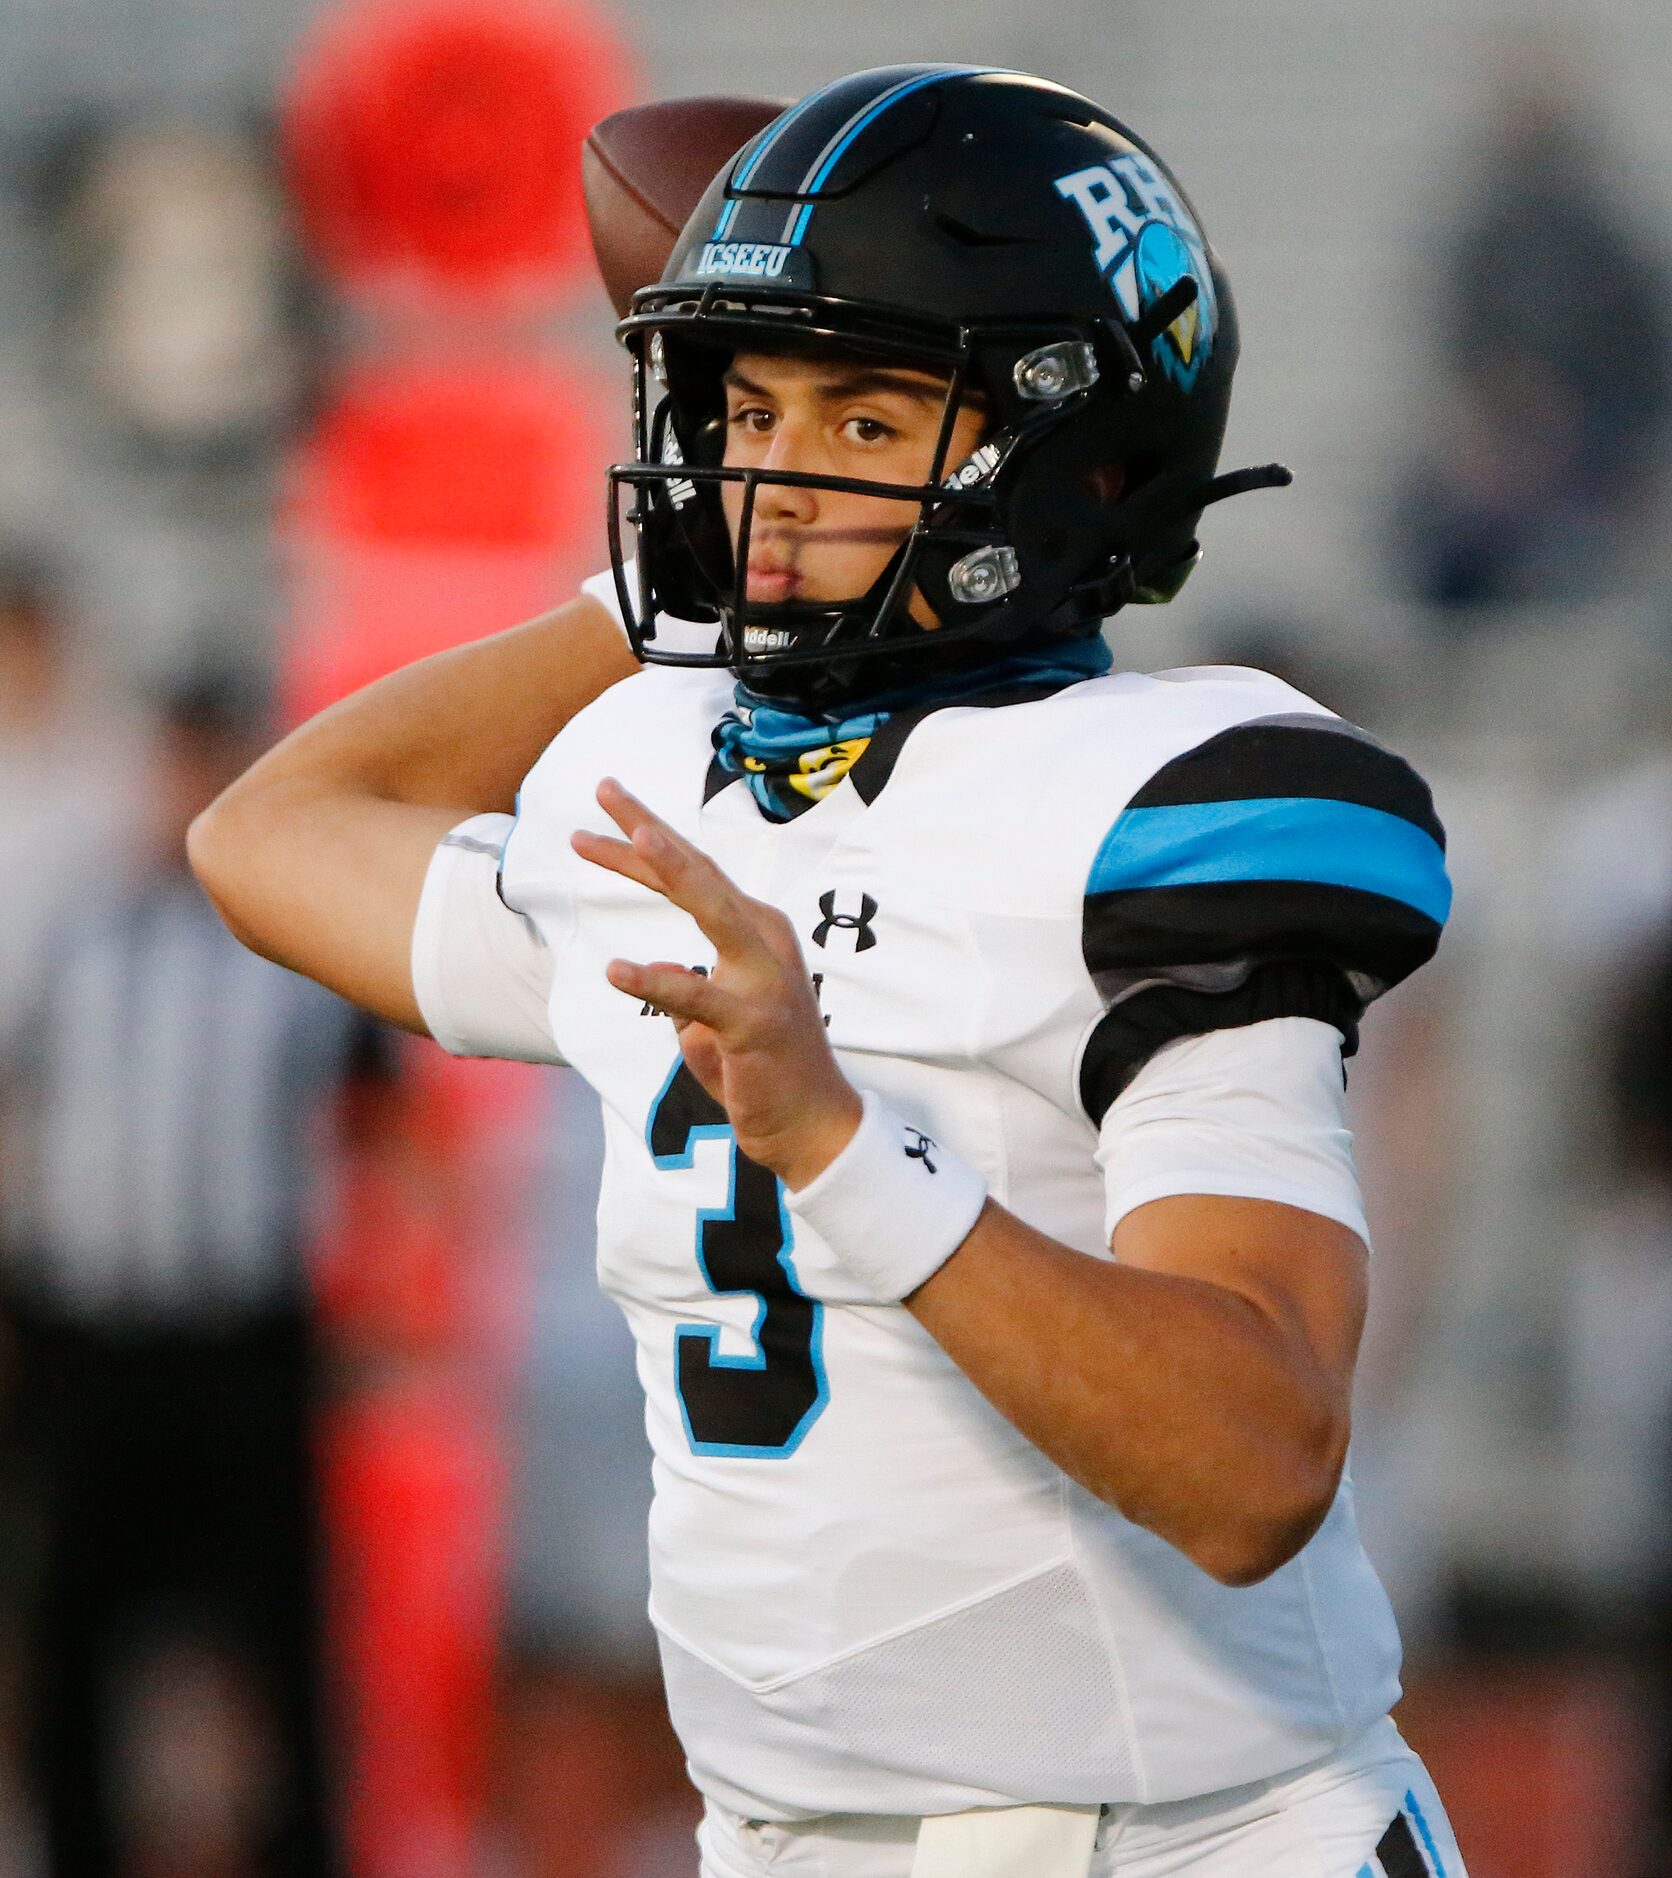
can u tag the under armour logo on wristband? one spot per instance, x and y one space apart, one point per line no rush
921 1151
888 1228
859 924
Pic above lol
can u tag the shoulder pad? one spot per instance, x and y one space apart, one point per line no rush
1289 866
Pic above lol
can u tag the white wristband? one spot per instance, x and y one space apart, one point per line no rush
893 1206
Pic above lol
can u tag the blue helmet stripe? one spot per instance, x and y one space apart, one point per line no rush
796 226
1277 838
769 137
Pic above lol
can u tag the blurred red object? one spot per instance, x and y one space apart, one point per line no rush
420 1283
412 1492
434 501
1545 1765
437 144
433 504
456 456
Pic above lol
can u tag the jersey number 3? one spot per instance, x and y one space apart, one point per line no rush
757 1406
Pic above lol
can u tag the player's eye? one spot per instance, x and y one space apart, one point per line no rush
869 430
755 419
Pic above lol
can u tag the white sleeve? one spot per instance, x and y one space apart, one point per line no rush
1257 1112
676 635
480 972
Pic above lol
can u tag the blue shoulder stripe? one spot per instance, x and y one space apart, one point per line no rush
1276 838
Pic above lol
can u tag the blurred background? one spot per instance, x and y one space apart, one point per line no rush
322 1477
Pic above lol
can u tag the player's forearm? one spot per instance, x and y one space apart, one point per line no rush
316 856
461 727
1175 1400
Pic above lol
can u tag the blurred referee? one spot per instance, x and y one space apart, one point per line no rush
167 1102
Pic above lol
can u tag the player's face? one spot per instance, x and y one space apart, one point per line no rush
832 417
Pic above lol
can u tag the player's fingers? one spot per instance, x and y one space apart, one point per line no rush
686 996
620 857
625 809
693 882
767 946
772 940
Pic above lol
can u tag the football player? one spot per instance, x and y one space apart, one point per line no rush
968 1019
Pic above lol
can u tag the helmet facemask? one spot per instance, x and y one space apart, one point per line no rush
958 551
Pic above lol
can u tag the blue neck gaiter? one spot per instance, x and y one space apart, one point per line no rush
790 761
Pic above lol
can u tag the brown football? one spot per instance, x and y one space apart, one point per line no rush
645 169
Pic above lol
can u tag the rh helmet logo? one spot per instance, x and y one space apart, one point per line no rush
859 924
1147 242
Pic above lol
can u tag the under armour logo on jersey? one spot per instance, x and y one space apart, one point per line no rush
917 1149
859 924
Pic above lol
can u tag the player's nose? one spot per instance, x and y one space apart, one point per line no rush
787 502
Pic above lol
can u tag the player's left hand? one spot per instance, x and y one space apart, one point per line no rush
751 1030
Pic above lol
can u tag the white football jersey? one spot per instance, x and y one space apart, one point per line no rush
873 1594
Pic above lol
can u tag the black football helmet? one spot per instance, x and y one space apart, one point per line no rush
996 228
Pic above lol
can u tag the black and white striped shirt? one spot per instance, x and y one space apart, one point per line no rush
164 1117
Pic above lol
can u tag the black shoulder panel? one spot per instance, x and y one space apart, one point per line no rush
1295 756
1287 867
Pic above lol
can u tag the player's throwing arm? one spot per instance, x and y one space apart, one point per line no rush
317 856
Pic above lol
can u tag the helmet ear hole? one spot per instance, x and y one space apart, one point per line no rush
1106 483
708 441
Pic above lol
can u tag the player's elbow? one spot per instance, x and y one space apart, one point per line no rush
222 845
1267 1530
209 850
1255 1550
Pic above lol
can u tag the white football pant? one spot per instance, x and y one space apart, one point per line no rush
1369 1811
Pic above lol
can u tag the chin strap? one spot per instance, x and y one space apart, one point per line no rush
1126 580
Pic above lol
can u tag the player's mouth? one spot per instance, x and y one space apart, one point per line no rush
772 583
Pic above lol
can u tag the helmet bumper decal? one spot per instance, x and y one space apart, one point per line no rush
754 261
